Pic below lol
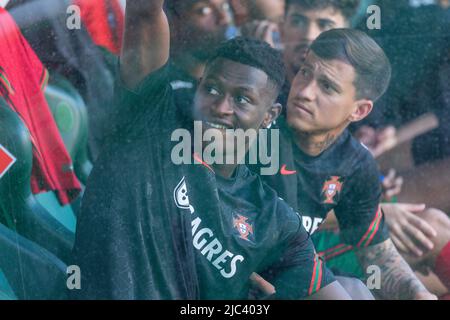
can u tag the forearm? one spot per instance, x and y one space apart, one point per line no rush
398 281
142 8
146 40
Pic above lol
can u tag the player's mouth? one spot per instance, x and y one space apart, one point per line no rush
302 49
217 125
302 108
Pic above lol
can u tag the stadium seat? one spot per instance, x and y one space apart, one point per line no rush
64 214
19 209
6 292
32 272
69 112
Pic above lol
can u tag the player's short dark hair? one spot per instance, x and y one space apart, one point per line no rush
348 8
255 53
176 7
372 66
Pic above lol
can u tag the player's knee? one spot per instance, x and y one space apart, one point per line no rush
441 224
355 288
439 220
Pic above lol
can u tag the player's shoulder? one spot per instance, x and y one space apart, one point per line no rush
364 168
356 150
277 209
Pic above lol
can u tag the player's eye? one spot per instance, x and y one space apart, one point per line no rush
325 25
212 90
299 22
327 87
225 6
242 100
204 11
305 73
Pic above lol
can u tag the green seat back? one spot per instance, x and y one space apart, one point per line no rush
64 215
30 271
6 292
19 209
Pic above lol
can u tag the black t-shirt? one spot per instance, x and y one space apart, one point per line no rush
150 229
183 88
344 178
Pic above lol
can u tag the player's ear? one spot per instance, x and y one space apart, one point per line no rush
362 108
271 115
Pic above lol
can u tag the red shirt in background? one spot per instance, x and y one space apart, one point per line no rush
104 21
22 81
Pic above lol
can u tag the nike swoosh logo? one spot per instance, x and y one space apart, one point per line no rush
286 172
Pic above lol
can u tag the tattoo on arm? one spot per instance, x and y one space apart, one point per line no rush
398 281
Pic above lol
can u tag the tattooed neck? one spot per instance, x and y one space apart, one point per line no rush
314 145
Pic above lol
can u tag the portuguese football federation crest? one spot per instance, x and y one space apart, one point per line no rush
245 229
331 188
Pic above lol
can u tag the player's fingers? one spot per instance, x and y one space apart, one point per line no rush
395 188
399 181
398 244
391 175
407 241
387 133
366 135
261 29
386 141
423 226
268 34
263 285
393 183
393 191
412 207
418 236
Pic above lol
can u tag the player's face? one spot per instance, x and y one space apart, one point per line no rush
203 23
300 28
322 95
232 95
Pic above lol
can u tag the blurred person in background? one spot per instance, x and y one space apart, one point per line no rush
197 27
80 55
23 79
408 222
245 11
259 19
